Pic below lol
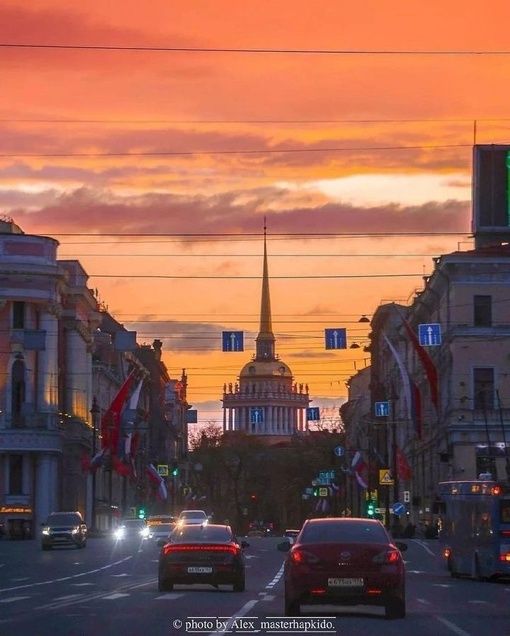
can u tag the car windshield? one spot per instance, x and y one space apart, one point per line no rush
192 514
201 534
344 531
64 519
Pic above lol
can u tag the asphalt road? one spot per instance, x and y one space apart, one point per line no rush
111 588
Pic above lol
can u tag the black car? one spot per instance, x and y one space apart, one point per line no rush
207 553
64 528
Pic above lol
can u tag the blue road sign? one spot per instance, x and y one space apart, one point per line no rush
313 414
256 415
339 451
233 340
398 508
336 338
429 335
382 409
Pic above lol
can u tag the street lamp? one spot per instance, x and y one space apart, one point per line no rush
94 411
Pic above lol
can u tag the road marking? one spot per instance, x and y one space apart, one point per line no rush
475 601
115 596
452 626
13 599
81 584
441 584
66 598
65 578
278 576
267 597
120 574
423 600
168 597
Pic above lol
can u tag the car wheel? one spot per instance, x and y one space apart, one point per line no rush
292 607
239 584
395 608
164 585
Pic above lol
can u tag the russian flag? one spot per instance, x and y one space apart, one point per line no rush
358 466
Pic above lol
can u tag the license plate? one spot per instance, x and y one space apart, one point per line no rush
199 570
345 582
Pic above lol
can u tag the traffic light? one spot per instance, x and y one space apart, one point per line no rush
175 470
370 509
315 492
141 513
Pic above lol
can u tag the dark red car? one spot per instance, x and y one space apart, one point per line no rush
207 553
344 561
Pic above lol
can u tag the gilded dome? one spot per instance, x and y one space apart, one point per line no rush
263 368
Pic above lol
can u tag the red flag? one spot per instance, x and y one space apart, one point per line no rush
426 360
120 468
110 423
404 471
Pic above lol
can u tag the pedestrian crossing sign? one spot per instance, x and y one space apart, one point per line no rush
385 478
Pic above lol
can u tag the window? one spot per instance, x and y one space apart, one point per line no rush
18 315
17 392
482 311
16 474
483 388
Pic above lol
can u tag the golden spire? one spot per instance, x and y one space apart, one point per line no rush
265 340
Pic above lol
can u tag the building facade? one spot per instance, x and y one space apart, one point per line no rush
63 359
459 425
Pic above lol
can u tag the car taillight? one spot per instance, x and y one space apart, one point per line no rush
388 556
505 533
168 549
446 552
302 557
504 557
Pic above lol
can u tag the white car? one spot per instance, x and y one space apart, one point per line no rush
192 517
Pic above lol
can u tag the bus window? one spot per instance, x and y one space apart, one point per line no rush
505 511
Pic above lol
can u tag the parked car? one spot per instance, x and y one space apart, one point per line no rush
64 529
344 561
192 517
202 553
132 528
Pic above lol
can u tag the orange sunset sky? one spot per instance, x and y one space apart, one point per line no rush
152 139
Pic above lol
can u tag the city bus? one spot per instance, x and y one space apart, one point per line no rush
474 528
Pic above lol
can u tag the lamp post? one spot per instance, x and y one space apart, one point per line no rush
94 411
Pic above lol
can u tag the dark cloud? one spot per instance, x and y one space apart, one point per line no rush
94 211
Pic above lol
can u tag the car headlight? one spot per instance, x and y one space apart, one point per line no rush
145 533
119 533
75 530
46 531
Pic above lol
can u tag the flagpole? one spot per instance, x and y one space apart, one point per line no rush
94 411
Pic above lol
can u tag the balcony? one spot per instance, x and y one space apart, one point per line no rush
25 439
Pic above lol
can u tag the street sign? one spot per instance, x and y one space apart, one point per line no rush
407 496
323 492
325 477
398 508
336 338
233 340
339 451
429 335
385 478
256 415
382 409
163 470
313 414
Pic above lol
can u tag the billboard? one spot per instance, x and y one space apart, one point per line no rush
491 192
